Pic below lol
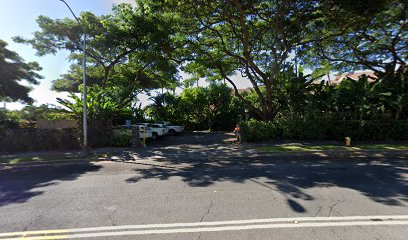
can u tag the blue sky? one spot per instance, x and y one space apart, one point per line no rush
17 18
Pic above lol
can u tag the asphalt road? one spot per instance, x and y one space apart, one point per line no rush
199 187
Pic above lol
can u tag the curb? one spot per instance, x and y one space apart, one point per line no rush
332 152
328 154
46 163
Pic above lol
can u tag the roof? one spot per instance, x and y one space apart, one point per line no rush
241 90
355 76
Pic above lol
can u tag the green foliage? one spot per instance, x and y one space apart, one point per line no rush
28 116
165 107
373 37
219 39
198 108
8 120
106 108
196 105
122 137
103 104
140 48
323 128
44 111
15 140
126 49
255 130
13 70
363 109
257 39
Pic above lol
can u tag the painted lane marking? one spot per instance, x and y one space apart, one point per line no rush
39 238
217 229
40 232
196 224
287 221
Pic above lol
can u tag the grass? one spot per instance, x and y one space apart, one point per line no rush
297 148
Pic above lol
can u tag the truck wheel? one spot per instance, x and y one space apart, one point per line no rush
154 136
172 132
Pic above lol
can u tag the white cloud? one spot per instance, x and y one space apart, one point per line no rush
43 95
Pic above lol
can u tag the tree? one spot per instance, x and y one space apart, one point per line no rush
361 35
361 98
13 70
218 39
125 48
374 37
224 112
44 111
166 107
194 102
105 106
198 108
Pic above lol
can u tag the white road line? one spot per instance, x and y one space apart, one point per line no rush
236 222
235 228
287 222
222 228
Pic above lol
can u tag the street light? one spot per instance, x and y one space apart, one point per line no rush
85 116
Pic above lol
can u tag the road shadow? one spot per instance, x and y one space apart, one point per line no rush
379 178
188 146
385 184
19 184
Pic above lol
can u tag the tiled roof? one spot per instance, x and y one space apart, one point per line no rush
355 76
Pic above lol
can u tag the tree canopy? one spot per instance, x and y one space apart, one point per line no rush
14 70
126 48
198 108
257 39
251 38
269 43
352 38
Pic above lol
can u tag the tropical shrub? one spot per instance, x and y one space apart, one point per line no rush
312 128
16 140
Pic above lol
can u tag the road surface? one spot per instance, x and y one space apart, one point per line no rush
199 187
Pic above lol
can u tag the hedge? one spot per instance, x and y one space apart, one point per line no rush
324 129
37 139
16 140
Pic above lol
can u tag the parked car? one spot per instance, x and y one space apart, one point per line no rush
161 125
125 130
157 131
173 129
145 132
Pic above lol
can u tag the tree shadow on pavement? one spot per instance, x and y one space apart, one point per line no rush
382 183
187 146
20 184
381 179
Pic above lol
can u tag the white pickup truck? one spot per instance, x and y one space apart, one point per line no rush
160 125
145 132
156 129
173 129
126 131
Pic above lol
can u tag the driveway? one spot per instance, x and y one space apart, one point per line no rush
201 186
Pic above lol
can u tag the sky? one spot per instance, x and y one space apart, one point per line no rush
18 18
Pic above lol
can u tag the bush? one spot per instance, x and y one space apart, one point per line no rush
7 120
254 130
16 140
122 137
330 128
99 135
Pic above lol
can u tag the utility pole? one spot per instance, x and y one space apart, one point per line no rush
85 110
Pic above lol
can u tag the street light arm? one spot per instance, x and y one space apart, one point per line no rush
71 11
